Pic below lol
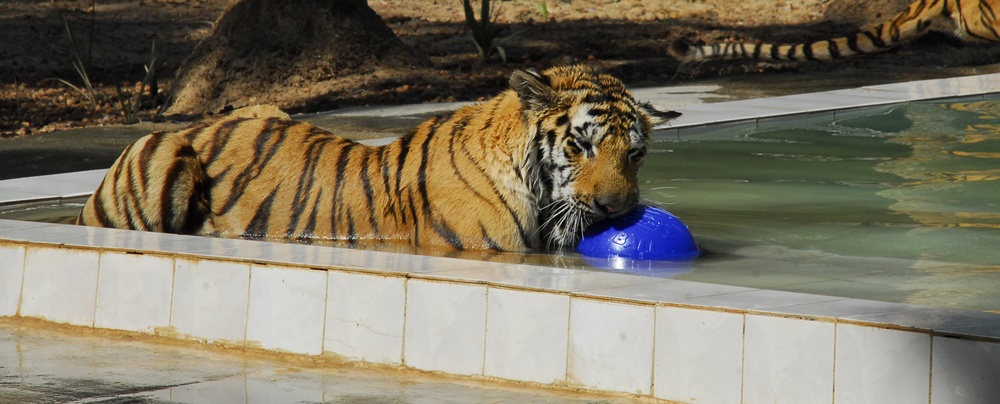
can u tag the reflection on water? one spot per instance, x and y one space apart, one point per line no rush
899 203
954 163
951 189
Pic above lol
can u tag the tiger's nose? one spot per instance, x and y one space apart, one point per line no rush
614 205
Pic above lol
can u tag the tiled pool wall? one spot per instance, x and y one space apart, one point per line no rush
658 338
673 340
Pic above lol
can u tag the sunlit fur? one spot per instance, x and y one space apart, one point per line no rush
973 20
530 168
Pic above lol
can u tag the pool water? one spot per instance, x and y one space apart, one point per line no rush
897 203
62 211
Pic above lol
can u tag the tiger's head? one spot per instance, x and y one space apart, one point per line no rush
589 138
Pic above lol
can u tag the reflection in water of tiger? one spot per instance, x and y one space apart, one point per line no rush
951 160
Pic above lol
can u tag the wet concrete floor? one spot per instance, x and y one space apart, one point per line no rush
45 364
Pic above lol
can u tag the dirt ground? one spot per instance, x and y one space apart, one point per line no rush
114 39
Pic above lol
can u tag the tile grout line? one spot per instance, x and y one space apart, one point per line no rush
930 372
652 372
486 328
97 288
569 335
743 361
246 319
173 287
833 386
24 270
406 309
326 306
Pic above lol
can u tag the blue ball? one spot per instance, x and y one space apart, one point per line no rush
645 233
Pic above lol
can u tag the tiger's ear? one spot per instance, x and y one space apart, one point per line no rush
656 116
533 89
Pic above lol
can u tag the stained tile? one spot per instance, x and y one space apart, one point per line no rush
284 299
499 272
210 300
757 299
576 281
62 185
846 307
286 253
11 275
611 346
931 319
29 231
11 196
699 356
877 365
667 290
60 285
989 330
527 335
364 317
144 241
787 360
965 371
445 327
133 292
70 235
7 224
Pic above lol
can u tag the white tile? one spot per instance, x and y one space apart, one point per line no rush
611 346
286 309
364 317
527 335
11 275
576 281
11 196
57 185
133 292
757 299
60 285
445 327
210 300
787 360
699 356
965 371
667 290
7 225
877 365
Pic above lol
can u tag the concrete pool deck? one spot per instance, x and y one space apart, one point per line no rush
610 332
45 364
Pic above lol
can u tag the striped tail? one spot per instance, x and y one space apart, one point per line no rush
905 26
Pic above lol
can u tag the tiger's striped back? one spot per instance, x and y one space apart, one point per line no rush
495 176
975 20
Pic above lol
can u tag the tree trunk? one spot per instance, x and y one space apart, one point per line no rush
274 51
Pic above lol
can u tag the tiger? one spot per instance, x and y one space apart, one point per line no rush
529 169
974 20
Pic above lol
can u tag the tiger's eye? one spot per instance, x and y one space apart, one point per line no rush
574 148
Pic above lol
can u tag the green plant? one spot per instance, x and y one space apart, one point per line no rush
88 88
129 103
543 8
484 30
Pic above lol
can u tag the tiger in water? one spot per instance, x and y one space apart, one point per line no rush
528 169
974 20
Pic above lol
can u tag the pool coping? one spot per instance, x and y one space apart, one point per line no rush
761 320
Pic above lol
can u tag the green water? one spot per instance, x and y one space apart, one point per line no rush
910 192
